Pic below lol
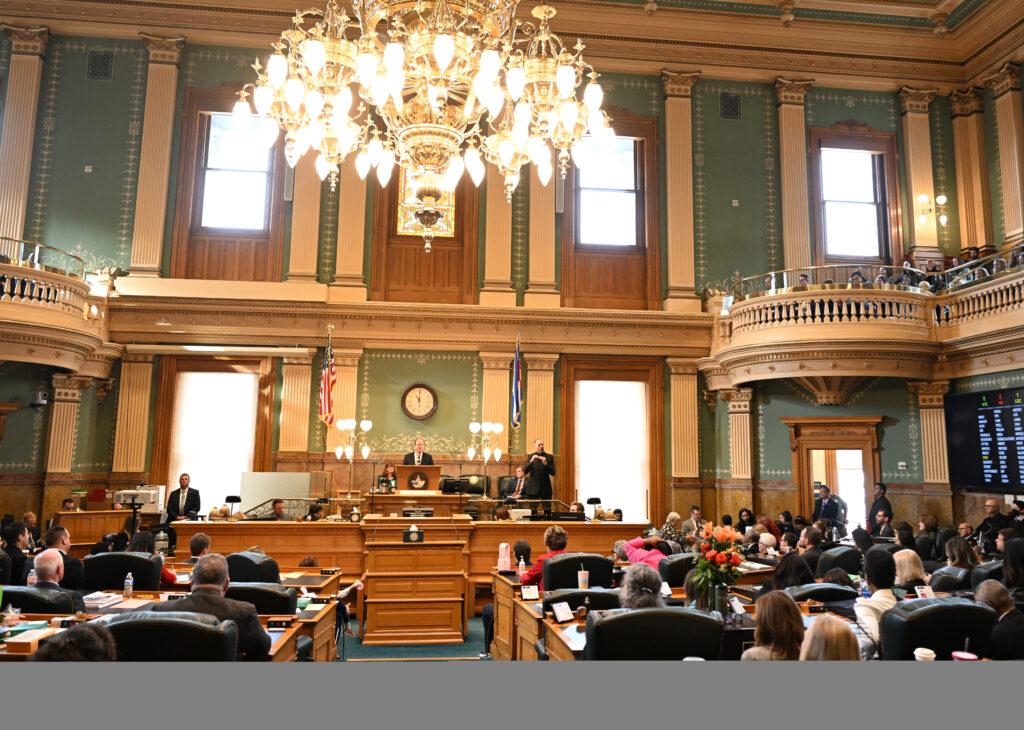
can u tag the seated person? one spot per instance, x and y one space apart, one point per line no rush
31 524
778 629
785 523
726 520
209 584
85 642
144 542
617 514
909 571
49 567
829 638
198 546
501 514
641 588
104 544
838 576
927 541
388 479
344 615
1003 536
648 550
309 561
66 505
315 514
959 554
792 570
74 570
880 573
862 539
765 543
278 515
788 543
519 488
1013 570
745 520
555 539
576 507
520 551
812 538
1007 639
905 536
15 536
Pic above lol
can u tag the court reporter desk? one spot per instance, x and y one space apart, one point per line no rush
343 544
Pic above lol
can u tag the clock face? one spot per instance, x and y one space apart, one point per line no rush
419 401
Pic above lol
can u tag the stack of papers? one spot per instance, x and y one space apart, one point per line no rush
99 599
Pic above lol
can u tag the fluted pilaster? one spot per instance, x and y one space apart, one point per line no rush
346 390
740 447
305 238
539 413
930 399
60 440
349 282
296 381
497 291
496 391
967 107
678 87
685 451
917 146
133 399
542 291
1006 88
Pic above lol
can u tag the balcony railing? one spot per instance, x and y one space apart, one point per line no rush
40 257
43 276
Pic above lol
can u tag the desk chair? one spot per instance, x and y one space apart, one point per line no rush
175 636
30 599
653 633
108 570
845 557
943 625
824 592
600 599
991 570
249 567
673 569
560 571
268 598
949 579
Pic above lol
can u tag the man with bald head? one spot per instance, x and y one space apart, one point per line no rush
994 521
49 566
1007 639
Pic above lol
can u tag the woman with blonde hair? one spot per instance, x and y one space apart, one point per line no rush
670 530
778 631
829 639
909 570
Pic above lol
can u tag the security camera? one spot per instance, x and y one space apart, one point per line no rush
41 400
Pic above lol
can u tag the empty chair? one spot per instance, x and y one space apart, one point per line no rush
992 569
108 570
30 599
674 568
845 557
250 567
175 636
948 579
824 592
477 484
598 599
268 598
560 571
670 633
943 625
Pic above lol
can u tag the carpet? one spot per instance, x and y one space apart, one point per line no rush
469 649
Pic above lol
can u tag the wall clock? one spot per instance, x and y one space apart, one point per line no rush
419 401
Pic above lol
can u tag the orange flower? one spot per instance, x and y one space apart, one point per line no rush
721 558
736 559
707 529
711 554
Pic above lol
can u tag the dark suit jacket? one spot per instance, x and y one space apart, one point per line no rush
812 556
513 484
886 531
826 511
5 568
74 572
17 574
1007 639
253 641
882 504
192 504
77 602
425 460
540 474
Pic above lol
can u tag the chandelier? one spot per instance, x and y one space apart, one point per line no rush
436 87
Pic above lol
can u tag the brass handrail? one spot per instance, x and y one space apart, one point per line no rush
30 254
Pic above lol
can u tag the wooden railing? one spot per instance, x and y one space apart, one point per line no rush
41 288
996 296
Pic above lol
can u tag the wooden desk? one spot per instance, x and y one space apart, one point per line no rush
564 642
444 505
317 622
88 528
529 626
505 589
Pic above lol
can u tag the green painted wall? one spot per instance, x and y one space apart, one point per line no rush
899 432
24 443
94 447
995 183
735 160
995 381
457 377
84 123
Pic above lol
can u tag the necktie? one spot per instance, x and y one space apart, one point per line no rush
183 494
417 459
519 489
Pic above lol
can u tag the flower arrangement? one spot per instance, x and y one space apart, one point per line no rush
717 563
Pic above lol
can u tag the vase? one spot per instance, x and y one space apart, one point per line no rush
713 598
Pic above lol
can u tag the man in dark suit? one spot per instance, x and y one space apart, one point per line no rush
1007 638
184 502
539 469
15 540
73 573
209 584
812 538
418 457
883 526
825 506
66 505
49 567
521 487
881 503
994 521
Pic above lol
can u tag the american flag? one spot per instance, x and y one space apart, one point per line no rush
327 380
516 401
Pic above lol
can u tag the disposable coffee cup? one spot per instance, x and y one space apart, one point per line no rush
583 579
964 656
924 654
693 658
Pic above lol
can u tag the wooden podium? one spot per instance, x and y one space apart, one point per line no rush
418 477
415 592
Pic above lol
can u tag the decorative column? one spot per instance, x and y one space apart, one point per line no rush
542 291
796 219
933 429
496 393
539 411
497 291
917 145
155 154
967 108
132 429
685 452
1006 88
678 86
296 381
21 104
60 440
346 391
739 431
305 222
349 282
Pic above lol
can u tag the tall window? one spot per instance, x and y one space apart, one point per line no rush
608 193
856 198
236 173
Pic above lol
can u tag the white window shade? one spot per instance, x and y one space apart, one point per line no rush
214 430
612 459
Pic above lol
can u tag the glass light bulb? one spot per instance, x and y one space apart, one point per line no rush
394 57
923 219
941 199
922 198
366 67
314 55
375 151
497 454
362 164
490 63
494 99
487 454
565 80
544 172
593 96
506 150
346 136
294 92
474 427
349 450
366 452
323 168
579 153
314 103
537 149
366 424
339 425
521 136
444 51
522 115
277 70
263 99
470 453
569 114
384 169
498 427
380 90
454 172
241 108
515 81
342 101
315 134
475 165
338 451
486 426
943 219
269 132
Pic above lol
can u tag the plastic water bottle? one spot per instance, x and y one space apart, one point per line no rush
522 565
864 589
32 577
129 583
